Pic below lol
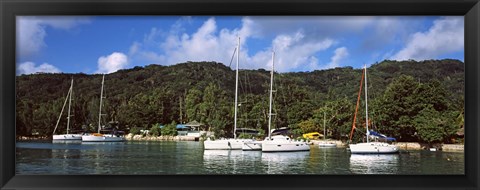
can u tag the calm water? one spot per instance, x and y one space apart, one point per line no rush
190 158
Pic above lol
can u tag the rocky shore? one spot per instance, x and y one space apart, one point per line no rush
405 145
132 137
402 145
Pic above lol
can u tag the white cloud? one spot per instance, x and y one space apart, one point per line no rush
300 43
30 35
210 43
31 31
314 26
207 43
30 67
385 31
312 62
292 52
112 63
445 36
178 27
340 54
134 48
63 22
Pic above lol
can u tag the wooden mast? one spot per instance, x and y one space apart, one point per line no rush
356 108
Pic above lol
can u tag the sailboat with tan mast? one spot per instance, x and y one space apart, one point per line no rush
369 147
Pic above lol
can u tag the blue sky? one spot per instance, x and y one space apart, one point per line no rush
105 44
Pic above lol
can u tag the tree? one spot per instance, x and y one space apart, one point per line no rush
398 107
339 117
406 102
308 126
146 109
155 130
215 110
135 130
434 127
192 103
259 115
23 118
143 96
207 107
169 129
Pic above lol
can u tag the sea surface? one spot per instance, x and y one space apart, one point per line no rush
188 157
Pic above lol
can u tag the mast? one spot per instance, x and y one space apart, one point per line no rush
100 109
180 102
324 127
356 108
69 105
270 107
366 102
236 92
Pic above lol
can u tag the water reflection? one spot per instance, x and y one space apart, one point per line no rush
102 143
189 158
374 163
285 162
66 161
230 161
327 160
102 157
66 142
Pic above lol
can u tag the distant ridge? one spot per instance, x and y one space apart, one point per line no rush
164 88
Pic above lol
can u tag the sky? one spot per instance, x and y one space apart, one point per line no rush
105 44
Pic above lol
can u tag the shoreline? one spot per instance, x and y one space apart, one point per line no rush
131 137
403 145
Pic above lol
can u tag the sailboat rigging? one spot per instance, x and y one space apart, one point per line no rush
369 147
229 144
324 144
66 136
112 136
280 143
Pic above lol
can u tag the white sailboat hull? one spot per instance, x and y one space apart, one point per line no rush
102 138
370 147
67 137
253 145
280 143
225 144
373 148
327 145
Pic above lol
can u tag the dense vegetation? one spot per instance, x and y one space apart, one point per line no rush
409 100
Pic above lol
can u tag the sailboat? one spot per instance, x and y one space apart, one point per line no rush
325 144
369 147
112 136
280 143
252 145
229 144
66 136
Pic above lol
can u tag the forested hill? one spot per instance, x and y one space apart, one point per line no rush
204 91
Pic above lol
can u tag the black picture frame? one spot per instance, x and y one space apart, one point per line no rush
11 8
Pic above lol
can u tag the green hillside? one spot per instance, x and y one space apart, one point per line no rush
412 101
